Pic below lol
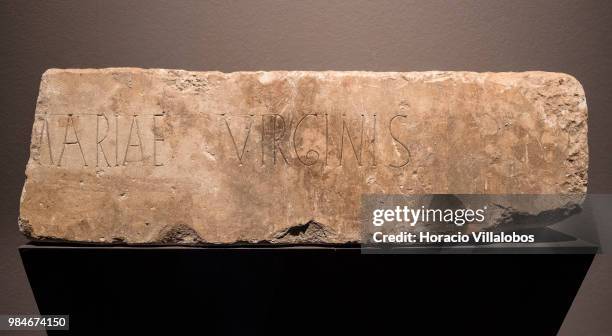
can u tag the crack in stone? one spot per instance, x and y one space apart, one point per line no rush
312 232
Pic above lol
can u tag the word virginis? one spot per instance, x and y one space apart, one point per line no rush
98 140
333 137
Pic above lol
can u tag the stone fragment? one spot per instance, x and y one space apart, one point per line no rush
136 156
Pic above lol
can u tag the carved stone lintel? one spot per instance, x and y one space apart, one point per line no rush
169 156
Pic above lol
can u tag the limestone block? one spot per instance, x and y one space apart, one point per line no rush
151 156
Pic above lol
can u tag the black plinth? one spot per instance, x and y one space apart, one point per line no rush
283 290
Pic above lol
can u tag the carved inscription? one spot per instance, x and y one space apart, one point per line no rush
139 139
281 142
97 140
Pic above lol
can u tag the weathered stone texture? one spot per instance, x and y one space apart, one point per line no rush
169 156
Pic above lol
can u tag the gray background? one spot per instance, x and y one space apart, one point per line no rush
573 37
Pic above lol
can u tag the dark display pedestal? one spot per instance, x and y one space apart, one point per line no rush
283 290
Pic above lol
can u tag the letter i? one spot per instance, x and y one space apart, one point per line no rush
326 137
374 143
116 139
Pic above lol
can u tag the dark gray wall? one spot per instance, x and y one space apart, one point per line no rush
573 37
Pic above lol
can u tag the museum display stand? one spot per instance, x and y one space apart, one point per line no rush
278 290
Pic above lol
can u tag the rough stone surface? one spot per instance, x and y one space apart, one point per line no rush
175 157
